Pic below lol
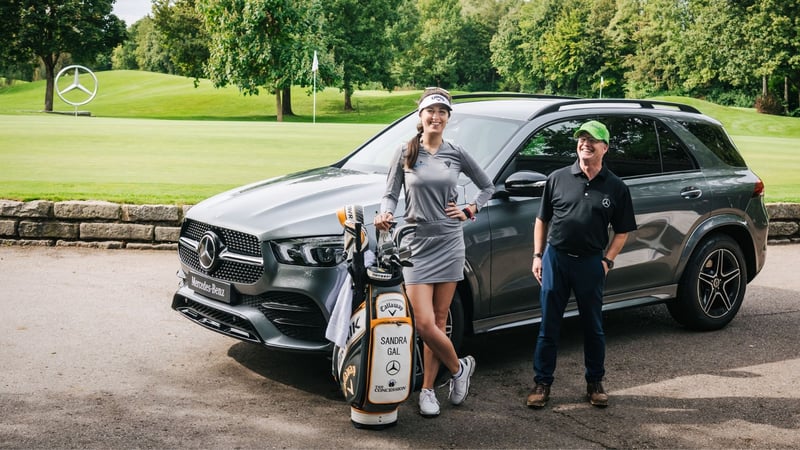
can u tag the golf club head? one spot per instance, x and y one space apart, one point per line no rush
349 216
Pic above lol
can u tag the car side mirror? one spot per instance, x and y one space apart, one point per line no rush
525 183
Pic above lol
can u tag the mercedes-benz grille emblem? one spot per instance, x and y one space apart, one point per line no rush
208 250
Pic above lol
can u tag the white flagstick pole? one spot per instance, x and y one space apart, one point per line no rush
601 87
314 68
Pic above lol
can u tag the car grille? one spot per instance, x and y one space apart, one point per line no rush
295 315
236 242
221 321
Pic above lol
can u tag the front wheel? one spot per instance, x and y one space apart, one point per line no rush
712 287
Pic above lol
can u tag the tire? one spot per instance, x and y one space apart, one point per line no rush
712 286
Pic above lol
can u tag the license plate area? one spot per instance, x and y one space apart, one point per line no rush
215 289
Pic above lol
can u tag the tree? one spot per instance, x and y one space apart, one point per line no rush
151 53
774 31
506 47
436 49
15 63
517 46
50 29
183 36
480 22
9 28
253 44
402 34
357 35
652 34
124 55
575 52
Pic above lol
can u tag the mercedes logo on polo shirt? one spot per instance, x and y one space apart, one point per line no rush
207 251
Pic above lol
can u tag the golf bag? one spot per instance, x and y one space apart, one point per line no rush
377 365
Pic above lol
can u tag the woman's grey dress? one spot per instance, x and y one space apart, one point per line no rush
437 247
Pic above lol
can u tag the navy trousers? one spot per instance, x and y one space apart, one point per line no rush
562 274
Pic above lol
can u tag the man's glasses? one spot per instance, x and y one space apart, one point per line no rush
590 140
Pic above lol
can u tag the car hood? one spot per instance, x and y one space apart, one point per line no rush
299 204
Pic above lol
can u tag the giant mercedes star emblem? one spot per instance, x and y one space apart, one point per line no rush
76 85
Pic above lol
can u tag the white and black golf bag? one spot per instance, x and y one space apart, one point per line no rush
377 367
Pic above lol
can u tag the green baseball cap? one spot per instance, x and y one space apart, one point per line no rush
595 128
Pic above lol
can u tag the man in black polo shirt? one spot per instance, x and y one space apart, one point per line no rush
578 204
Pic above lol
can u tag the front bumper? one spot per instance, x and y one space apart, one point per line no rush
250 323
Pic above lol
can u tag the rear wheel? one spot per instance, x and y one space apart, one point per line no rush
712 287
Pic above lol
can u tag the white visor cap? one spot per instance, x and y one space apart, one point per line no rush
434 99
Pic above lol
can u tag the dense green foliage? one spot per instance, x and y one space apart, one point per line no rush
357 34
739 53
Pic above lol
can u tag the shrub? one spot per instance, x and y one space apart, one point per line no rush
729 96
769 104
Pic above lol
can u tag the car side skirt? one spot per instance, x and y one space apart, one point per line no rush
610 303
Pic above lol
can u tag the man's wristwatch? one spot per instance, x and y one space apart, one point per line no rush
609 262
537 255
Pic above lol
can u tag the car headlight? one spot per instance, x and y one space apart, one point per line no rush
323 251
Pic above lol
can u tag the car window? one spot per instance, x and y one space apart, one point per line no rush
638 146
550 148
674 156
481 136
717 141
633 150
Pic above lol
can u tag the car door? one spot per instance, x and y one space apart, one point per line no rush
670 195
515 293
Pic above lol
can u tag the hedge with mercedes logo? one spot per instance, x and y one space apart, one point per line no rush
263 263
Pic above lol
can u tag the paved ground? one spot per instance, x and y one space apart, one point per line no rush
91 356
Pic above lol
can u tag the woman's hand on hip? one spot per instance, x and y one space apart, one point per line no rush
453 212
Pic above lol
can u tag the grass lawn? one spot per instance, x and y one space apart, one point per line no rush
157 161
208 140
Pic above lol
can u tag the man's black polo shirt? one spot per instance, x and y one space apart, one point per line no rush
579 210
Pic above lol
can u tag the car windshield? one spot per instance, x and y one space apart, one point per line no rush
481 136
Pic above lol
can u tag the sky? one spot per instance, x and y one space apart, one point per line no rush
131 10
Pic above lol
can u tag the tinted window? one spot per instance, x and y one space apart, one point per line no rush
549 149
639 146
717 141
674 156
633 150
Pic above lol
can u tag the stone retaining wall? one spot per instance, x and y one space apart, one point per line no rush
112 225
90 224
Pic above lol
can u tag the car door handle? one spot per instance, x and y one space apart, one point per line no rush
691 192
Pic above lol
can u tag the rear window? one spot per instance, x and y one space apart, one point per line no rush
717 141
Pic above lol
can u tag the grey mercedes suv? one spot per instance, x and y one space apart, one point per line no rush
263 263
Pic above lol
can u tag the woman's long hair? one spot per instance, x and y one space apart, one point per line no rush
412 147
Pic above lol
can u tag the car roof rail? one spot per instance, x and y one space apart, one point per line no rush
511 95
613 102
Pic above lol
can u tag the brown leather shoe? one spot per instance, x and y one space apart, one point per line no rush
596 394
539 396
